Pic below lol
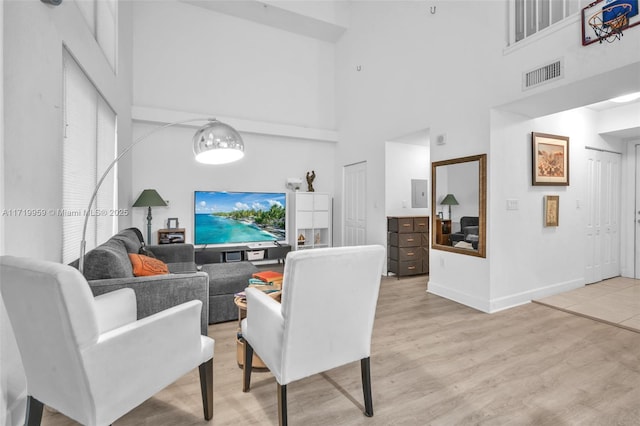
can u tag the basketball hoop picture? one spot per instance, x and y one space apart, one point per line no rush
606 20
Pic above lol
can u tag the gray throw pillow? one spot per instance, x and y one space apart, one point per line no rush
109 260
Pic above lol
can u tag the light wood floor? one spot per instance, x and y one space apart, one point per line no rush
434 362
614 301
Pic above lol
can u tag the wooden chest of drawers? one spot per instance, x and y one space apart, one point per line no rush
408 245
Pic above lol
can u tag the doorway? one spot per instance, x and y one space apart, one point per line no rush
603 215
355 202
637 216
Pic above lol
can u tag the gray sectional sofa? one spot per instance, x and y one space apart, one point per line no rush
108 268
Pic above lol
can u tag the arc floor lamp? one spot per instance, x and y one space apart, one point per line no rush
213 143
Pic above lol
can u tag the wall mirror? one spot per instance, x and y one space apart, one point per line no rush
459 204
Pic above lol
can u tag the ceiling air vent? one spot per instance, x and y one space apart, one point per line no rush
544 74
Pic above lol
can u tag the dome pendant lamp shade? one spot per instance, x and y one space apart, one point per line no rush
217 143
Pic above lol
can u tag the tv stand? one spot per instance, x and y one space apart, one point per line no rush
249 252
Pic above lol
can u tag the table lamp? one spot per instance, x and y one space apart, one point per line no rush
149 198
449 200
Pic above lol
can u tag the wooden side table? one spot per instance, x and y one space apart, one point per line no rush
241 303
443 230
171 236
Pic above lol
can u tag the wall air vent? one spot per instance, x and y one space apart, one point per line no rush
543 74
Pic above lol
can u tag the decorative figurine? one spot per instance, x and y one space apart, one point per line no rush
310 178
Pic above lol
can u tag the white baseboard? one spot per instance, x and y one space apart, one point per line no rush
506 302
456 296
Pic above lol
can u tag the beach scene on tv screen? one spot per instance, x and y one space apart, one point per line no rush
239 217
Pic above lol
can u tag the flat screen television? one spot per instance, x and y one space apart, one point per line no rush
228 218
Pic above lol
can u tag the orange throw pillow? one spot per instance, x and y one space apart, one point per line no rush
145 266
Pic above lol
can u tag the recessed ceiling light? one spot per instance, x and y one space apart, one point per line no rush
626 98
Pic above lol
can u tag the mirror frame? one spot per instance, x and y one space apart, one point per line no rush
482 208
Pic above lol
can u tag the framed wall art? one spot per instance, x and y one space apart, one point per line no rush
172 223
550 159
551 210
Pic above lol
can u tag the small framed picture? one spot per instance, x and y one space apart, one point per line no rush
172 223
551 210
550 159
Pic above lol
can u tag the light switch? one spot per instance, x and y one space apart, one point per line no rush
512 204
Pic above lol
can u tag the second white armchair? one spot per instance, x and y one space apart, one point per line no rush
89 358
329 299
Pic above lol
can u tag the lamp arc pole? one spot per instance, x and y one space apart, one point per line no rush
83 243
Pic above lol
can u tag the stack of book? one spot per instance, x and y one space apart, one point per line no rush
266 281
267 278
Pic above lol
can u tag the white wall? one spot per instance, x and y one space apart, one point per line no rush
34 34
190 59
33 88
528 260
404 162
193 59
165 162
5 330
401 68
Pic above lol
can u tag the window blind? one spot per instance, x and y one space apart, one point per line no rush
88 146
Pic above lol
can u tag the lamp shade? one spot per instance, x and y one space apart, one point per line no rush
449 200
149 198
217 143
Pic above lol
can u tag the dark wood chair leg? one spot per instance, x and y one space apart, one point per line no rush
247 366
365 369
34 412
282 404
206 387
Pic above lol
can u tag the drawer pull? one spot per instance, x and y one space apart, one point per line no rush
406 224
410 254
410 239
411 267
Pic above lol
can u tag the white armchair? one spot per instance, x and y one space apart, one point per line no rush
89 358
329 299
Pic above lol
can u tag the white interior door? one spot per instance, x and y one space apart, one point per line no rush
603 216
637 228
611 214
355 202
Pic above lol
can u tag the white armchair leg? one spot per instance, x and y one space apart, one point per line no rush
247 366
365 369
34 412
282 404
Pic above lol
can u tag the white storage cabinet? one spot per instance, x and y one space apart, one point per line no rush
311 220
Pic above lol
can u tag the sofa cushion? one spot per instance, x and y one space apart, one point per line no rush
108 260
229 278
131 238
144 266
